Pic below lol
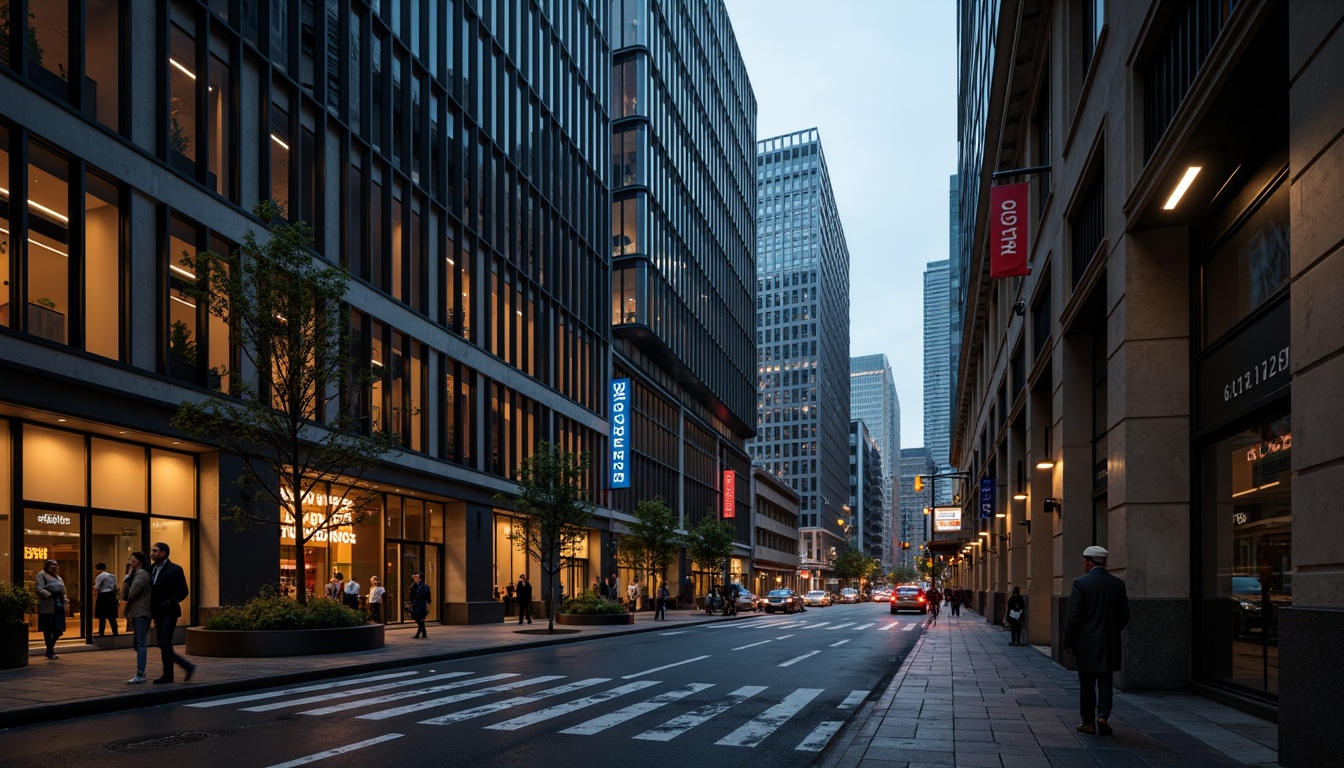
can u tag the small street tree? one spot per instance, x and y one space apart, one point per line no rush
710 544
651 545
932 569
854 564
554 502
290 426
903 574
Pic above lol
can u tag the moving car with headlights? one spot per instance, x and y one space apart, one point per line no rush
909 597
785 600
747 601
818 597
849 595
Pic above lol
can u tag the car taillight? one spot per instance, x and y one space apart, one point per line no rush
921 599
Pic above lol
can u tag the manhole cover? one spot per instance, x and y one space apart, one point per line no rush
159 742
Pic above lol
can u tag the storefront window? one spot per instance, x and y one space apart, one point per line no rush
172 488
6 487
1247 268
510 562
53 466
1245 537
120 472
177 535
350 550
54 535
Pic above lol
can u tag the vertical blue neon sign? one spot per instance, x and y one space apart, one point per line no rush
620 433
988 488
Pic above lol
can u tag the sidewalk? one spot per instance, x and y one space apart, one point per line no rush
84 681
1014 706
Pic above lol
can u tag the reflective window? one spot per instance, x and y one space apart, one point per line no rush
1248 267
49 45
6 240
183 315
102 61
182 128
48 271
102 267
218 97
281 141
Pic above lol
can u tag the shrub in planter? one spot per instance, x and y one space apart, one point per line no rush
15 603
275 611
590 603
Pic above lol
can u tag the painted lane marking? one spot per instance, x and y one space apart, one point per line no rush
853 699
793 661
784 637
864 626
300 689
599 724
352 692
385 714
570 706
755 731
820 736
818 624
841 626
341 707
889 626
665 666
517 701
678 632
338 751
753 645
910 626
842 642
683 723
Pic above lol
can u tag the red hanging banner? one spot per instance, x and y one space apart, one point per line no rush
1008 230
729 494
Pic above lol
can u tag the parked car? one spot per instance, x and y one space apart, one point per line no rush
747 601
785 600
818 597
909 597
881 595
848 595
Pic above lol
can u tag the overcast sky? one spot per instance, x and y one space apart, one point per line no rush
877 78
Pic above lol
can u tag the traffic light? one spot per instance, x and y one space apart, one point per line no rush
919 483
905 545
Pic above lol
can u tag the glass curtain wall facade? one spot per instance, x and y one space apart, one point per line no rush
938 364
683 232
453 155
915 526
872 399
867 500
803 337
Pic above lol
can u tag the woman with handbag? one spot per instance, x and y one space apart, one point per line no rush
1016 607
50 605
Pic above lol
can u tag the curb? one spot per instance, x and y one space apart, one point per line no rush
153 698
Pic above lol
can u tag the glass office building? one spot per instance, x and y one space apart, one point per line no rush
803 337
453 155
873 400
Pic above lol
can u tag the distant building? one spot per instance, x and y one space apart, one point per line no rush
867 498
802 307
872 399
774 539
914 524
938 372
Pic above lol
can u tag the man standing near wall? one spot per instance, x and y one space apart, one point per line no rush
1098 610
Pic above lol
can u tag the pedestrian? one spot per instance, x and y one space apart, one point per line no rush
524 592
168 588
632 596
730 600
376 593
1098 611
105 599
351 593
137 589
615 593
51 599
958 596
336 586
935 602
1016 607
508 599
419 598
660 602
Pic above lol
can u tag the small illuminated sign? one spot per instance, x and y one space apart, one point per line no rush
729 494
35 553
946 519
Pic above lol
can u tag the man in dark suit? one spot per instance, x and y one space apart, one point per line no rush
1098 610
524 593
168 588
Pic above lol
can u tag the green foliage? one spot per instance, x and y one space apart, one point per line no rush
710 543
553 500
931 568
903 574
853 563
45 302
180 343
271 610
292 429
651 544
589 602
15 601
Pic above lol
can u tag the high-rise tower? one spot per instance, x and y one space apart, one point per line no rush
872 399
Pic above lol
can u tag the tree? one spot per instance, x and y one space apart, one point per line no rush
285 316
710 543
852 563
903 574
553 499
931 569
651 544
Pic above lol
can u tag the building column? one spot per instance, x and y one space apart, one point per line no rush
469 571
1072 477
1041 535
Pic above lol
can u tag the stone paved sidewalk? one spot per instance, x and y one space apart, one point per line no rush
964 697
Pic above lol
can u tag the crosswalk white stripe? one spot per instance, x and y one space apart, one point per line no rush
842 642
683 723
570 706
757 729
793 661
599 724
338 750
341 707
351 692
820 736
301 689
910 626
678 632
817 625
864 626
841 626
665 666
416 707
752 645
852 699
499 706
783 637
889 626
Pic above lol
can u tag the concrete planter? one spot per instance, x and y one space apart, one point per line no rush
14 646
282 642
594 619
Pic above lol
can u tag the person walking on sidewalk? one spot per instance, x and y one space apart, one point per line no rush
51 599
660 602
1016 607
1098 610
167 590
351 593
419 598
105 599
376 600
136 590
958 597
524 591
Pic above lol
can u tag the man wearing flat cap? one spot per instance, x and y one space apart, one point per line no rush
1098 610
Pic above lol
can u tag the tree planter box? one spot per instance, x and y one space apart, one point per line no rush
14 647
594 619
282 642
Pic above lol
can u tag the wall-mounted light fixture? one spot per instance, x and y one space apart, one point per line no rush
1181 186
1054 505
1026 523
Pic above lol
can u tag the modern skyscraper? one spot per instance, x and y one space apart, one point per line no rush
914 526
683 231
802 323
867 499
956 302
938 372
872 398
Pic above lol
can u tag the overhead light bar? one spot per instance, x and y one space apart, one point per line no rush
277 140
1045 464
1179 192
181 68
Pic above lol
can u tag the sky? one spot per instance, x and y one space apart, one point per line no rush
877 78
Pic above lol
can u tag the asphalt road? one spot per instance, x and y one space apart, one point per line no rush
763 691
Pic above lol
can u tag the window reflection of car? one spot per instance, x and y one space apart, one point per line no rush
1248 597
